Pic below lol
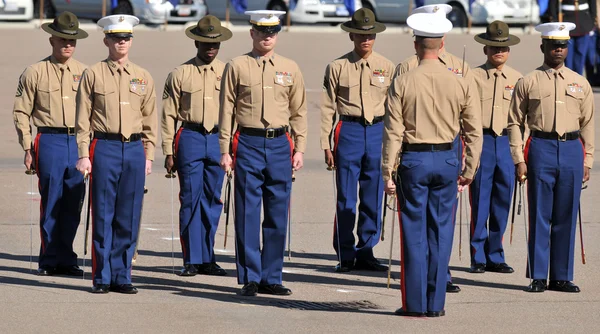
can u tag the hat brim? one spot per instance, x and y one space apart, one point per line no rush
377 28
81 34
512 40
192 31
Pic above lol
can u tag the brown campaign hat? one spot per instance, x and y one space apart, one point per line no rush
208 30
363 22
497 34
65 26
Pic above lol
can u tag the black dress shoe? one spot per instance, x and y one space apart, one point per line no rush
403 313
100 288
477 268
45 271
537 285
435 314
274 289
344 267
124 288
211 269
452 288
370 265
188 270
249 289
563 286
69 271
502 268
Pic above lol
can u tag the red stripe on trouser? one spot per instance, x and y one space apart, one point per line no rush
526 157
234 145
176 142
526 149
92 149
336 135
402 262
291 146
36 156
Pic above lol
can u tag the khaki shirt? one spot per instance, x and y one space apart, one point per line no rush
191 94
353 89
242 89
535 105
427 105
105 105
495 91
452 63
47 96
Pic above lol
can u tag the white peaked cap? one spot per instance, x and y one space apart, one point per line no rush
429 25
118 24
264 17
555 30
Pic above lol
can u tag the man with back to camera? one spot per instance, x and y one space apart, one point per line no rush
355 87
264 94
454 65
46 97
428 167
116 102
192 96
557 105
492 188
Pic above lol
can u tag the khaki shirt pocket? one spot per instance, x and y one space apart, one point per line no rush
137 97
103 96
191 98
573 101
349 88
540 102
44 97
282 88
379 87
249 91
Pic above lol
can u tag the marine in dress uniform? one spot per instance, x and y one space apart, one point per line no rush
428 167
191 96
491 191
557 105
116 104
454 65
583 14
264 94
355 88
46 99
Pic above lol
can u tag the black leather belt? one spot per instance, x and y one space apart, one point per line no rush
199 128
360 119
406 147
56 131
492 133
554 136
117 136
266 133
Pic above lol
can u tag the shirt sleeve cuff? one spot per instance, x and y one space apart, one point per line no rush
149 151
83 150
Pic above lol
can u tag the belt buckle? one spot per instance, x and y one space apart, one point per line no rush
70 131
270 134
125 140
563 137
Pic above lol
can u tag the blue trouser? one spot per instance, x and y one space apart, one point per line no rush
426 227
578 50
118 175
263 173
358 163
554 179
200 183
459 147
61 188
491 192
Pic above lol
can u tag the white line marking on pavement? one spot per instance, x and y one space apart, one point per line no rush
343 291
150 229
32 193
169 238
223 251
287 271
